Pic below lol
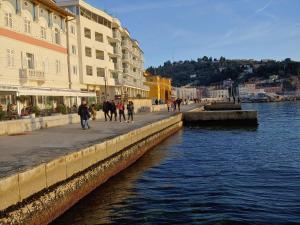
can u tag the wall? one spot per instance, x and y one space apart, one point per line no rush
113 151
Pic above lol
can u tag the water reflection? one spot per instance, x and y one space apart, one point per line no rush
103 203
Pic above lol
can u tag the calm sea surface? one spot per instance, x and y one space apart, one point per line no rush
210 175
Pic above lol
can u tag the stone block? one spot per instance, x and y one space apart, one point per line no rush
9 191
74 163
100 152
56 171
32 181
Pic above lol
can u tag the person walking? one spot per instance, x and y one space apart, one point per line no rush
174 104
113 110
169 105
105 109
121 109
130 110
84 114
93 111
178 101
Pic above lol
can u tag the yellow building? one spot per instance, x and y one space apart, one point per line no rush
160 87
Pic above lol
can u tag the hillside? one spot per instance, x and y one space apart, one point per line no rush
206 70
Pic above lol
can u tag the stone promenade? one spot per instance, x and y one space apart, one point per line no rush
21 152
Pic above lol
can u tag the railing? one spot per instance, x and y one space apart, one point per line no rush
117 51
126 57
118 66
116 34
32 74
126 70
126 44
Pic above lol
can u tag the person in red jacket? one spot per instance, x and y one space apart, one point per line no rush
121 108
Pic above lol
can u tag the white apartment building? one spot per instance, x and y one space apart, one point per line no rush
218 94
110 62
33 53
188 93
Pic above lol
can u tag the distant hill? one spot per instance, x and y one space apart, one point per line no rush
206 70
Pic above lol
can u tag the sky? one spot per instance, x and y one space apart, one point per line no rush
189 29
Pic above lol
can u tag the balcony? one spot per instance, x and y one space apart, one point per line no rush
117 35
118 66
126 70
33 75
126 57
126 44
117 51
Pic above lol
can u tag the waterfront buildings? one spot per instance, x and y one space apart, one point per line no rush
52 55
33 53
160 87
111 63
185 93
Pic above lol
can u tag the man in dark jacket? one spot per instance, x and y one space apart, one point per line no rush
105 109
113 110
84 114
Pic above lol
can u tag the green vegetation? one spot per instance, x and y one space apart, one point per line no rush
2 114
61 109
36 110
207 70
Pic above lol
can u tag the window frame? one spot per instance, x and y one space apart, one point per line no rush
89 36
8 20
102 70
88 50
89 68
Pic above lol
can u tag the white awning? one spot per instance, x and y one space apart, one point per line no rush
46 91
55 92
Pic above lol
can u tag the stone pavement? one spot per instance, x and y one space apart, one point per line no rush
18 153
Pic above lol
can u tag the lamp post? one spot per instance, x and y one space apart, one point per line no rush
105 86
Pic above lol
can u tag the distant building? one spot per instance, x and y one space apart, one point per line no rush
220 94
188 93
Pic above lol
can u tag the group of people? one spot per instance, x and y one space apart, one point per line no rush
110 109
174 104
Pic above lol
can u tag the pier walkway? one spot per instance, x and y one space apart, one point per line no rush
20 152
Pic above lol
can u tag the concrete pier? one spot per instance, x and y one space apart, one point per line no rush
228 117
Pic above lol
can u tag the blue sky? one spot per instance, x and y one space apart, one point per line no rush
189 29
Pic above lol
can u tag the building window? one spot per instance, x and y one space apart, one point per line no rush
99 54
88 52
43 33
72 30
57 66
74 50
10 58
98 37
89 70
87 33
57 36
100 72
8 20
27 25
75 70
30 60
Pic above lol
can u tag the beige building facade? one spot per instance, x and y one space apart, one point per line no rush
110 62
34 57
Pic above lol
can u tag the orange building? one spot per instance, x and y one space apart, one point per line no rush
160 87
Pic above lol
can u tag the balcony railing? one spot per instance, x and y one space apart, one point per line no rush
32 74
116 34
126 70
117 51
118 66
126 44
126 57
